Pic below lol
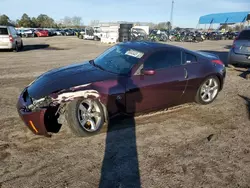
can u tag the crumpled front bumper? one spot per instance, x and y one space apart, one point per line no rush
33 120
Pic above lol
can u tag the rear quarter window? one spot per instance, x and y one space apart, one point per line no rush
244 35
189 58
3 31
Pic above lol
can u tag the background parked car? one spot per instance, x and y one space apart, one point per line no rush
10 39
138 34
41 33
51 32
28 33
230 35
240 51
60 32
214 36
68 32
75 31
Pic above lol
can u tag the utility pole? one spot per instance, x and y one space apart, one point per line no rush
171 15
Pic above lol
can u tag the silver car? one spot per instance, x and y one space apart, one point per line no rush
10 39
240 51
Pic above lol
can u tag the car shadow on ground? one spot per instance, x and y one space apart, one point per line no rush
223 55
244 73
247 100
120 166
30 48
35 47
228 46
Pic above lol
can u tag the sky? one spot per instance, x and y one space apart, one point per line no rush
186 12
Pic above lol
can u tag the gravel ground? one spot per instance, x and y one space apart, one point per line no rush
187 146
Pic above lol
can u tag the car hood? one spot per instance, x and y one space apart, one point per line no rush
66 77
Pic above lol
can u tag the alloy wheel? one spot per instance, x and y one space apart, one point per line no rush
209 90
89 115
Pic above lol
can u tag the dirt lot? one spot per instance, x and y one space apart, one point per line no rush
190 146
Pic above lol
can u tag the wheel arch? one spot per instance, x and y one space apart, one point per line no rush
218 76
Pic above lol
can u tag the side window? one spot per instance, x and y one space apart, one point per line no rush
189 58
156 61
163 59
174 58
12 31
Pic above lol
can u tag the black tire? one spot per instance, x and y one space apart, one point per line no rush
21 47
124 35
126 26
121 32
96 38
124 39
16 49
124 30
198 98
71 115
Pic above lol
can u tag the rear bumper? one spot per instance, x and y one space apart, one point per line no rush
33 120
8 45
234 58
42 35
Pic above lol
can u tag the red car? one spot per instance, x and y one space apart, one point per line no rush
126 79
41 33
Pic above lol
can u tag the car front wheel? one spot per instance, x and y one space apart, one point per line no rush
85 117
208 90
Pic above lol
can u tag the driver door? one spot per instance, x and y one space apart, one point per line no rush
159 82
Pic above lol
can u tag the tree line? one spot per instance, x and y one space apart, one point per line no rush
41 21
44 21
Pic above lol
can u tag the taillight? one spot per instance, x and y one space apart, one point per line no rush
11 38
217 61
236 38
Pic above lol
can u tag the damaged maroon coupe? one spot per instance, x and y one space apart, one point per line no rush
126 79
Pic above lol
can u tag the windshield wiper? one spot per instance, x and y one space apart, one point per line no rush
98 66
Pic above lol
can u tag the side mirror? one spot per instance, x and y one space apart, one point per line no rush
148 72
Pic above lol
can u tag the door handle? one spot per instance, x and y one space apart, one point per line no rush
186 73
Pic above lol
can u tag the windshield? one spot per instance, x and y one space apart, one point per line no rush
3 31
118 59
244 35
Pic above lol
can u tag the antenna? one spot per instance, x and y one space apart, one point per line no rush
171 15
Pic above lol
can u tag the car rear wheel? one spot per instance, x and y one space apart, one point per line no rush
208 91
21 46
85 117
16 49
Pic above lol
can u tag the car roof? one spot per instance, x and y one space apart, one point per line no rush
145 46
247 29
3 26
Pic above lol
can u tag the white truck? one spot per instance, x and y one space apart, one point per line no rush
91 33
